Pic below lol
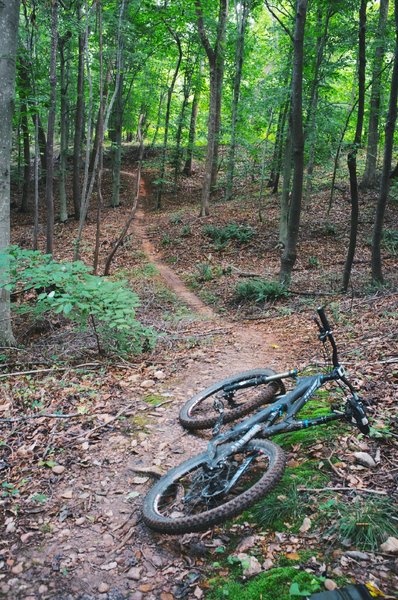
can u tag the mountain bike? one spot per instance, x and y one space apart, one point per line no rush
240 465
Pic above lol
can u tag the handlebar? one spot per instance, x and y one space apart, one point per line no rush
326 333
323 318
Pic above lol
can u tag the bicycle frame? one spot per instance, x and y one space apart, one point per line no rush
262 423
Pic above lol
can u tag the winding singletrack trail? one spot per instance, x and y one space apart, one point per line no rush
170 277
96 546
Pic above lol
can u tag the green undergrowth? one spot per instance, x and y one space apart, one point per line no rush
154 399
282 583
285 506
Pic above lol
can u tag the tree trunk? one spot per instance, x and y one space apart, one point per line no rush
64 83
239 54
370 176
167 121
276 162
192 126
26 158
377 272
117 122
310 125
9 18
181 119
285 196
50 128
352 155
216 64
290 251
77 142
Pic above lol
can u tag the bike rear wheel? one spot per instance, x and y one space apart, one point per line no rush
191 497
200 412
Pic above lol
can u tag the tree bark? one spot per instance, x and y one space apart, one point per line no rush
64 83
290 251
77 142
50 129
239 54
370 176
352 155
192 126
216 65
377 271
167 120
9 18
117 123
24 91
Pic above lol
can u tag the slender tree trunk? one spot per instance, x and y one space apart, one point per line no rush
276 162
377 271
290 251
192 126
77 142
167 121
285 196
100 135
125 229
26 158
42 142
352 155
50 128
155 135
181 119
117 122
370 176
216 65
64 82
310 125
9 18
239 54
36 195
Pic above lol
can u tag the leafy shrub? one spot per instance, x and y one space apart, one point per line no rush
390 240
176 218
204 272
185 231
260 290
69 289
366 522
222 235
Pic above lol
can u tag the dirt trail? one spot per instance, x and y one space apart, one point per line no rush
170 277
96 546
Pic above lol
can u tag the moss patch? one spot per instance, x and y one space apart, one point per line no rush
277 583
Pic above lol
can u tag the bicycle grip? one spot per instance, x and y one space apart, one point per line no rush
323 318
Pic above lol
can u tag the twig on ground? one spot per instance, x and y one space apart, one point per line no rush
49 370
343 489
40 416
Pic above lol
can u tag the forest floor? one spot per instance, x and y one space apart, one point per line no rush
72 520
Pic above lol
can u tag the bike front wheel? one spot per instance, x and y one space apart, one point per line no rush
200 411
191 497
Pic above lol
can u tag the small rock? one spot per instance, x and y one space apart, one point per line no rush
136 596
58 469
330 585
109 567
147 383
134 573
107 540
80 520
18 569
43 589
364 459
198 593
267 564
306 525
250 565
390 546
159 375
67 494
146 587
166 596
357 555
25 537
103 588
